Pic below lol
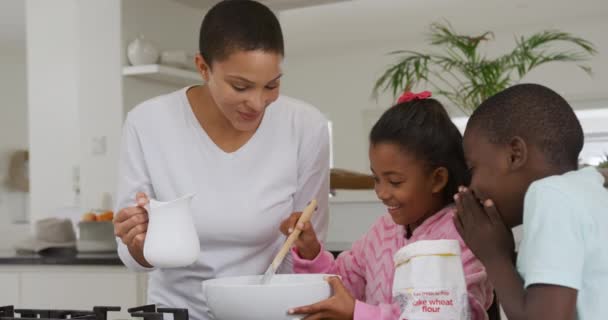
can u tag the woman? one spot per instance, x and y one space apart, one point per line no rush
251 156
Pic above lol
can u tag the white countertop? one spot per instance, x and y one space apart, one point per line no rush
338 246
353 196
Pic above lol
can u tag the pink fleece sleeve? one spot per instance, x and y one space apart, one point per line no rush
349 266
479 288
480 291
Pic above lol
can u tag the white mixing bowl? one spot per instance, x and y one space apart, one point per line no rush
238 298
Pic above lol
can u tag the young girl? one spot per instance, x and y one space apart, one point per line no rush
418 163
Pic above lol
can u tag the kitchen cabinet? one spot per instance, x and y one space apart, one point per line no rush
351 214
9 288
72 287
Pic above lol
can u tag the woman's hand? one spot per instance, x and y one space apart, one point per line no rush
131 225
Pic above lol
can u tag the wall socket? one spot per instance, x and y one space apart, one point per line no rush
98 146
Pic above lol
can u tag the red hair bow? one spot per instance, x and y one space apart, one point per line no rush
409 96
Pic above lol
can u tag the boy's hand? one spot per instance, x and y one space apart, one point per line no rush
341 306
308 245
482 228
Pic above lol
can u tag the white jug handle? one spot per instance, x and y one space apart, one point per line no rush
152 203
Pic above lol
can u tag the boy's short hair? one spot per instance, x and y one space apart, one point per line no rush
538 115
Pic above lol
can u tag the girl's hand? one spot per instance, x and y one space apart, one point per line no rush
308 245
341 306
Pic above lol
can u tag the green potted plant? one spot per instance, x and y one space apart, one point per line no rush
465 76
604 163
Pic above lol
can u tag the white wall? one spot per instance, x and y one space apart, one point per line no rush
73 75
168 25
74 94
75 90
339 78
13 124
335 70
53 103
99 99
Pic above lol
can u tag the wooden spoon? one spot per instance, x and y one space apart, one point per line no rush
305 217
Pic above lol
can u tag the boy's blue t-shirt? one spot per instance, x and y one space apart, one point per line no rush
565 238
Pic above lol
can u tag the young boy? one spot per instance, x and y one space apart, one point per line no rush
522 148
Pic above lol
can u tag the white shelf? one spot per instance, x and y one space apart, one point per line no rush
273 4
161 73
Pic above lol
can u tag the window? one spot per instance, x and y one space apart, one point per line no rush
595 127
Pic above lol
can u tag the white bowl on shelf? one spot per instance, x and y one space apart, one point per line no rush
178 59
237 298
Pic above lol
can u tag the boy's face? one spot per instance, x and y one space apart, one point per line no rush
493 175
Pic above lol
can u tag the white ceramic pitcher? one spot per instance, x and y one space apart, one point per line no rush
171 239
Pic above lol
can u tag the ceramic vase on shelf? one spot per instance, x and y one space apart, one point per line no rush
141 51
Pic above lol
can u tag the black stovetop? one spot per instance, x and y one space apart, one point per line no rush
147 312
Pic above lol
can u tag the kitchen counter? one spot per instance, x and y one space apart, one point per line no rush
354 196
10 257
60 258
337 247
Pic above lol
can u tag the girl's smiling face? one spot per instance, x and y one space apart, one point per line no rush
406 185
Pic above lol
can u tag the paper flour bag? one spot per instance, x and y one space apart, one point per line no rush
429 281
